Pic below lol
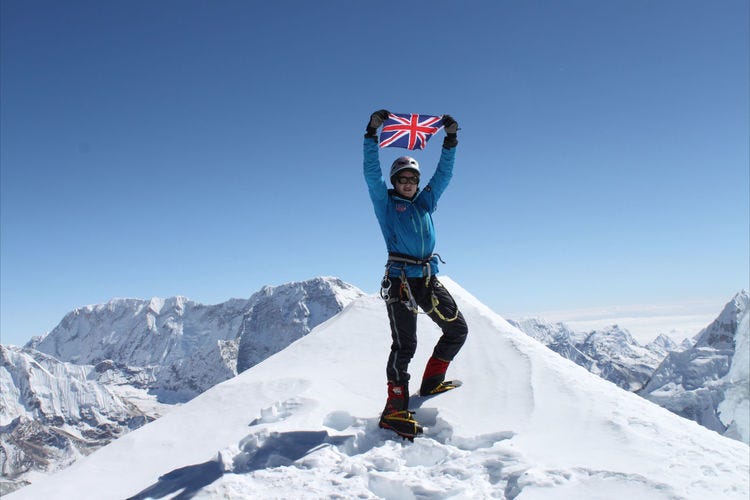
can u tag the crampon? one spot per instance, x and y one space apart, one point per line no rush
444 386
402 423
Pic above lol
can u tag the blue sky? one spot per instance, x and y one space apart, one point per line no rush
208 148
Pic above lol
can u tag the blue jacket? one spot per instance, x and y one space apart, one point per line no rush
407 224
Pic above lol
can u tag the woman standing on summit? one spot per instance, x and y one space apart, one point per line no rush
405 217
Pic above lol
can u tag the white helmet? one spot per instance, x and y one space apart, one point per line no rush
404 163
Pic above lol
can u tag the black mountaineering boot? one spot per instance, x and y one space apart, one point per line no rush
396 415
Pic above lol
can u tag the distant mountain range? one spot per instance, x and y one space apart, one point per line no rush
107 369
110 368
188 346
612 352
705 380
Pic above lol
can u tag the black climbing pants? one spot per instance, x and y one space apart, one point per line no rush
404 324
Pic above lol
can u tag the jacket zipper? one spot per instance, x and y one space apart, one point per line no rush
419 230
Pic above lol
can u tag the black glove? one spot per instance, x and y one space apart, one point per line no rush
376 120
450 126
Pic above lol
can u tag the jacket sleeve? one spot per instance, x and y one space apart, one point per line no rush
374 176
440 179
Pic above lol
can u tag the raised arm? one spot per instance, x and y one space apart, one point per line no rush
444 171
373 173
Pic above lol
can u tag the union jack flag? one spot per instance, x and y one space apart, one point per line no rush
409 130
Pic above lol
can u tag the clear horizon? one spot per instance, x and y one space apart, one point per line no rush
206 149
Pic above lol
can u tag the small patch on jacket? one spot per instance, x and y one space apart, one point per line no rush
400 208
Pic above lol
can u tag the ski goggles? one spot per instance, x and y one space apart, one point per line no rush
411 179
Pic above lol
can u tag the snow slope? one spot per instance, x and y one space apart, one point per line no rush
526 424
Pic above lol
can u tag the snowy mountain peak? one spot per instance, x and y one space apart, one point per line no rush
344 291
709 382
155 305
526 422
612 334
544 331
176 305
282 314
720 333
662 345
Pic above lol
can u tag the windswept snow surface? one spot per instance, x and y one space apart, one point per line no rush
526 424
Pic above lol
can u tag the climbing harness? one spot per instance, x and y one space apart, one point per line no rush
405 295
